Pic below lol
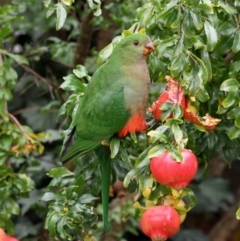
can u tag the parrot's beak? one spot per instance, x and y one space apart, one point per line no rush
148 49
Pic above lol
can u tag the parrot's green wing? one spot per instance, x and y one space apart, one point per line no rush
95 120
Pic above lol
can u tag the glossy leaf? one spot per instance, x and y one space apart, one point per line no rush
229 100
230 85
233 113
211 34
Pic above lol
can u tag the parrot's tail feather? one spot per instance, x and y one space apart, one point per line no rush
68 141
79 148
103 153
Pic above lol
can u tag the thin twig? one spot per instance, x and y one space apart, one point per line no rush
20 111
16 122
39 77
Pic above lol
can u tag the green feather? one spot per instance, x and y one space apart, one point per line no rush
103 153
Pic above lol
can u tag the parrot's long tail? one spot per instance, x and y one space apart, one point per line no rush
103 153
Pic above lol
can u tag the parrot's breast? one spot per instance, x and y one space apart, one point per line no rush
136 92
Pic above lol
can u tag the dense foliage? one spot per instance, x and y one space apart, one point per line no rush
43 78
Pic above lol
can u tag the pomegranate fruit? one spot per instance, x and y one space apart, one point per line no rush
171 173
160 222
10 238
3 236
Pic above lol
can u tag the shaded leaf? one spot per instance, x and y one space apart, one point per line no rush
114 146
59 172
234 132
61 16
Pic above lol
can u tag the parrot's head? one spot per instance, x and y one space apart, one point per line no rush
137 45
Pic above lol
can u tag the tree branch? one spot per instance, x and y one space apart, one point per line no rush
84 40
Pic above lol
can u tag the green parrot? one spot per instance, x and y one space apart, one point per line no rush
114 102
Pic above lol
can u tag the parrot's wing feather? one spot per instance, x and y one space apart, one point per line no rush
79 147
103 113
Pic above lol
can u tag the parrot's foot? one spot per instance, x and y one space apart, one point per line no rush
105 143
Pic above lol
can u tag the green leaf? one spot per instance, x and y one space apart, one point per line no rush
206 7
165 13
114 146
179 47
104 54
131 175
211 34
230 85
221 110
178 64
18 58
51 220
177 111
163 45
48 196
190 195
227 29
46 3
230 10
196 19
236 42
61 16
10 206
59 172
156 151
201 70
51 10
87 198
176 154
72 83
5 31
233 113
171 18
229 100
60 228
203 95
206 60
80 71
233 132
195 83
238 214
225 44
177 132
188 33
237 121
234 68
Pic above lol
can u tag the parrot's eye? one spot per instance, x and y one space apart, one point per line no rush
135 42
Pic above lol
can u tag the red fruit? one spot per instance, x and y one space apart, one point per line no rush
3 236
174 94
171 173
10 238
160 222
